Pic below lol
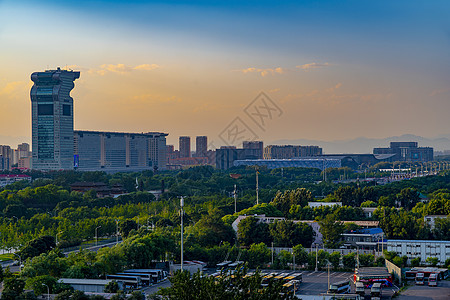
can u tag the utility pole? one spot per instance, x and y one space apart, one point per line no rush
181 213
316 258
257 188
235 196
272 255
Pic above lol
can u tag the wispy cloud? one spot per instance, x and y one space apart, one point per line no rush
439 92
311 66
14 88
264 72
280 70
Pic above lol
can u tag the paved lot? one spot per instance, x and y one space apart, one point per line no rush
416 292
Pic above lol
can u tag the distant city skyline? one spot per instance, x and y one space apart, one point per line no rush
337 71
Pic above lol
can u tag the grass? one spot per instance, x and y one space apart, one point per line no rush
6 256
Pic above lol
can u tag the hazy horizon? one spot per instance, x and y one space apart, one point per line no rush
333 71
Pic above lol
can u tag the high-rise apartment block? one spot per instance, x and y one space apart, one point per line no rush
290 151
52 119
6 157
185 146
256 148
201 146
119 151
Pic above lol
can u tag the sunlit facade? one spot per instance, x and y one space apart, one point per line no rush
52 119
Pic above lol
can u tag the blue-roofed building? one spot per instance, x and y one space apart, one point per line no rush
364 238
317 163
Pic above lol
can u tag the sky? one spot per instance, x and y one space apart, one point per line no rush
234 70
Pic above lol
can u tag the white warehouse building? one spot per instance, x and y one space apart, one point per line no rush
420 248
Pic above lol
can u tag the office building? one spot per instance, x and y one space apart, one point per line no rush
119 151
290 151
407 151
185 146
227 155
201 146
254 147
316 163
52 119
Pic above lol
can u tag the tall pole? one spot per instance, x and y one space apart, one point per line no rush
48 291
117 231
293 259
235 196
316 258
272 255
96 235
181 213
328 265
257 188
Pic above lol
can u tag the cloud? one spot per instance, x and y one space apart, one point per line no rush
122 68
439 92
11 89
310 66
264 72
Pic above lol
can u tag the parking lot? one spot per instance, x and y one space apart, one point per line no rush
416 292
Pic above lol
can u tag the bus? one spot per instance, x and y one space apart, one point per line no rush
133 282
265 280
146 279
375 291
420 278
433 279
294 276
341 287
158 275
291 286
223 265
282 276
360 289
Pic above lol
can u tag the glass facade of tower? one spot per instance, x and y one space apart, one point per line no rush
52 119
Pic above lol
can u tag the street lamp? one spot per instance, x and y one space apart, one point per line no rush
316 258
181 214
117 231
20 262
96 235
48 291
57 238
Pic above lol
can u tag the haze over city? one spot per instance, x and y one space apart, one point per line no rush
336 70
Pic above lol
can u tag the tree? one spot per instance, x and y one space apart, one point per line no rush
238 286
37 246
12 288
210 230
433 261
331 231
39 284
284 201
112 287
349 261
335 259
258 254
301 256
126 226
366 260
287 233
408 198
251 231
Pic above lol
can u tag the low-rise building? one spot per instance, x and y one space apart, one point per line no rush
365 238
6 179
89 285
430 220
420 249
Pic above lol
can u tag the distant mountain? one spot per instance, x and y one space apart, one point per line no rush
366 145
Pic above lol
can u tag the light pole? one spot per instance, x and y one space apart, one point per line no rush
257 188
20 262
181 214
316 258
117 231
235 195
57 237
96 235
48 291
272 255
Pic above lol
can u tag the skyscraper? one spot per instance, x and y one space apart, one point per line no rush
201 146
185 146
52 119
